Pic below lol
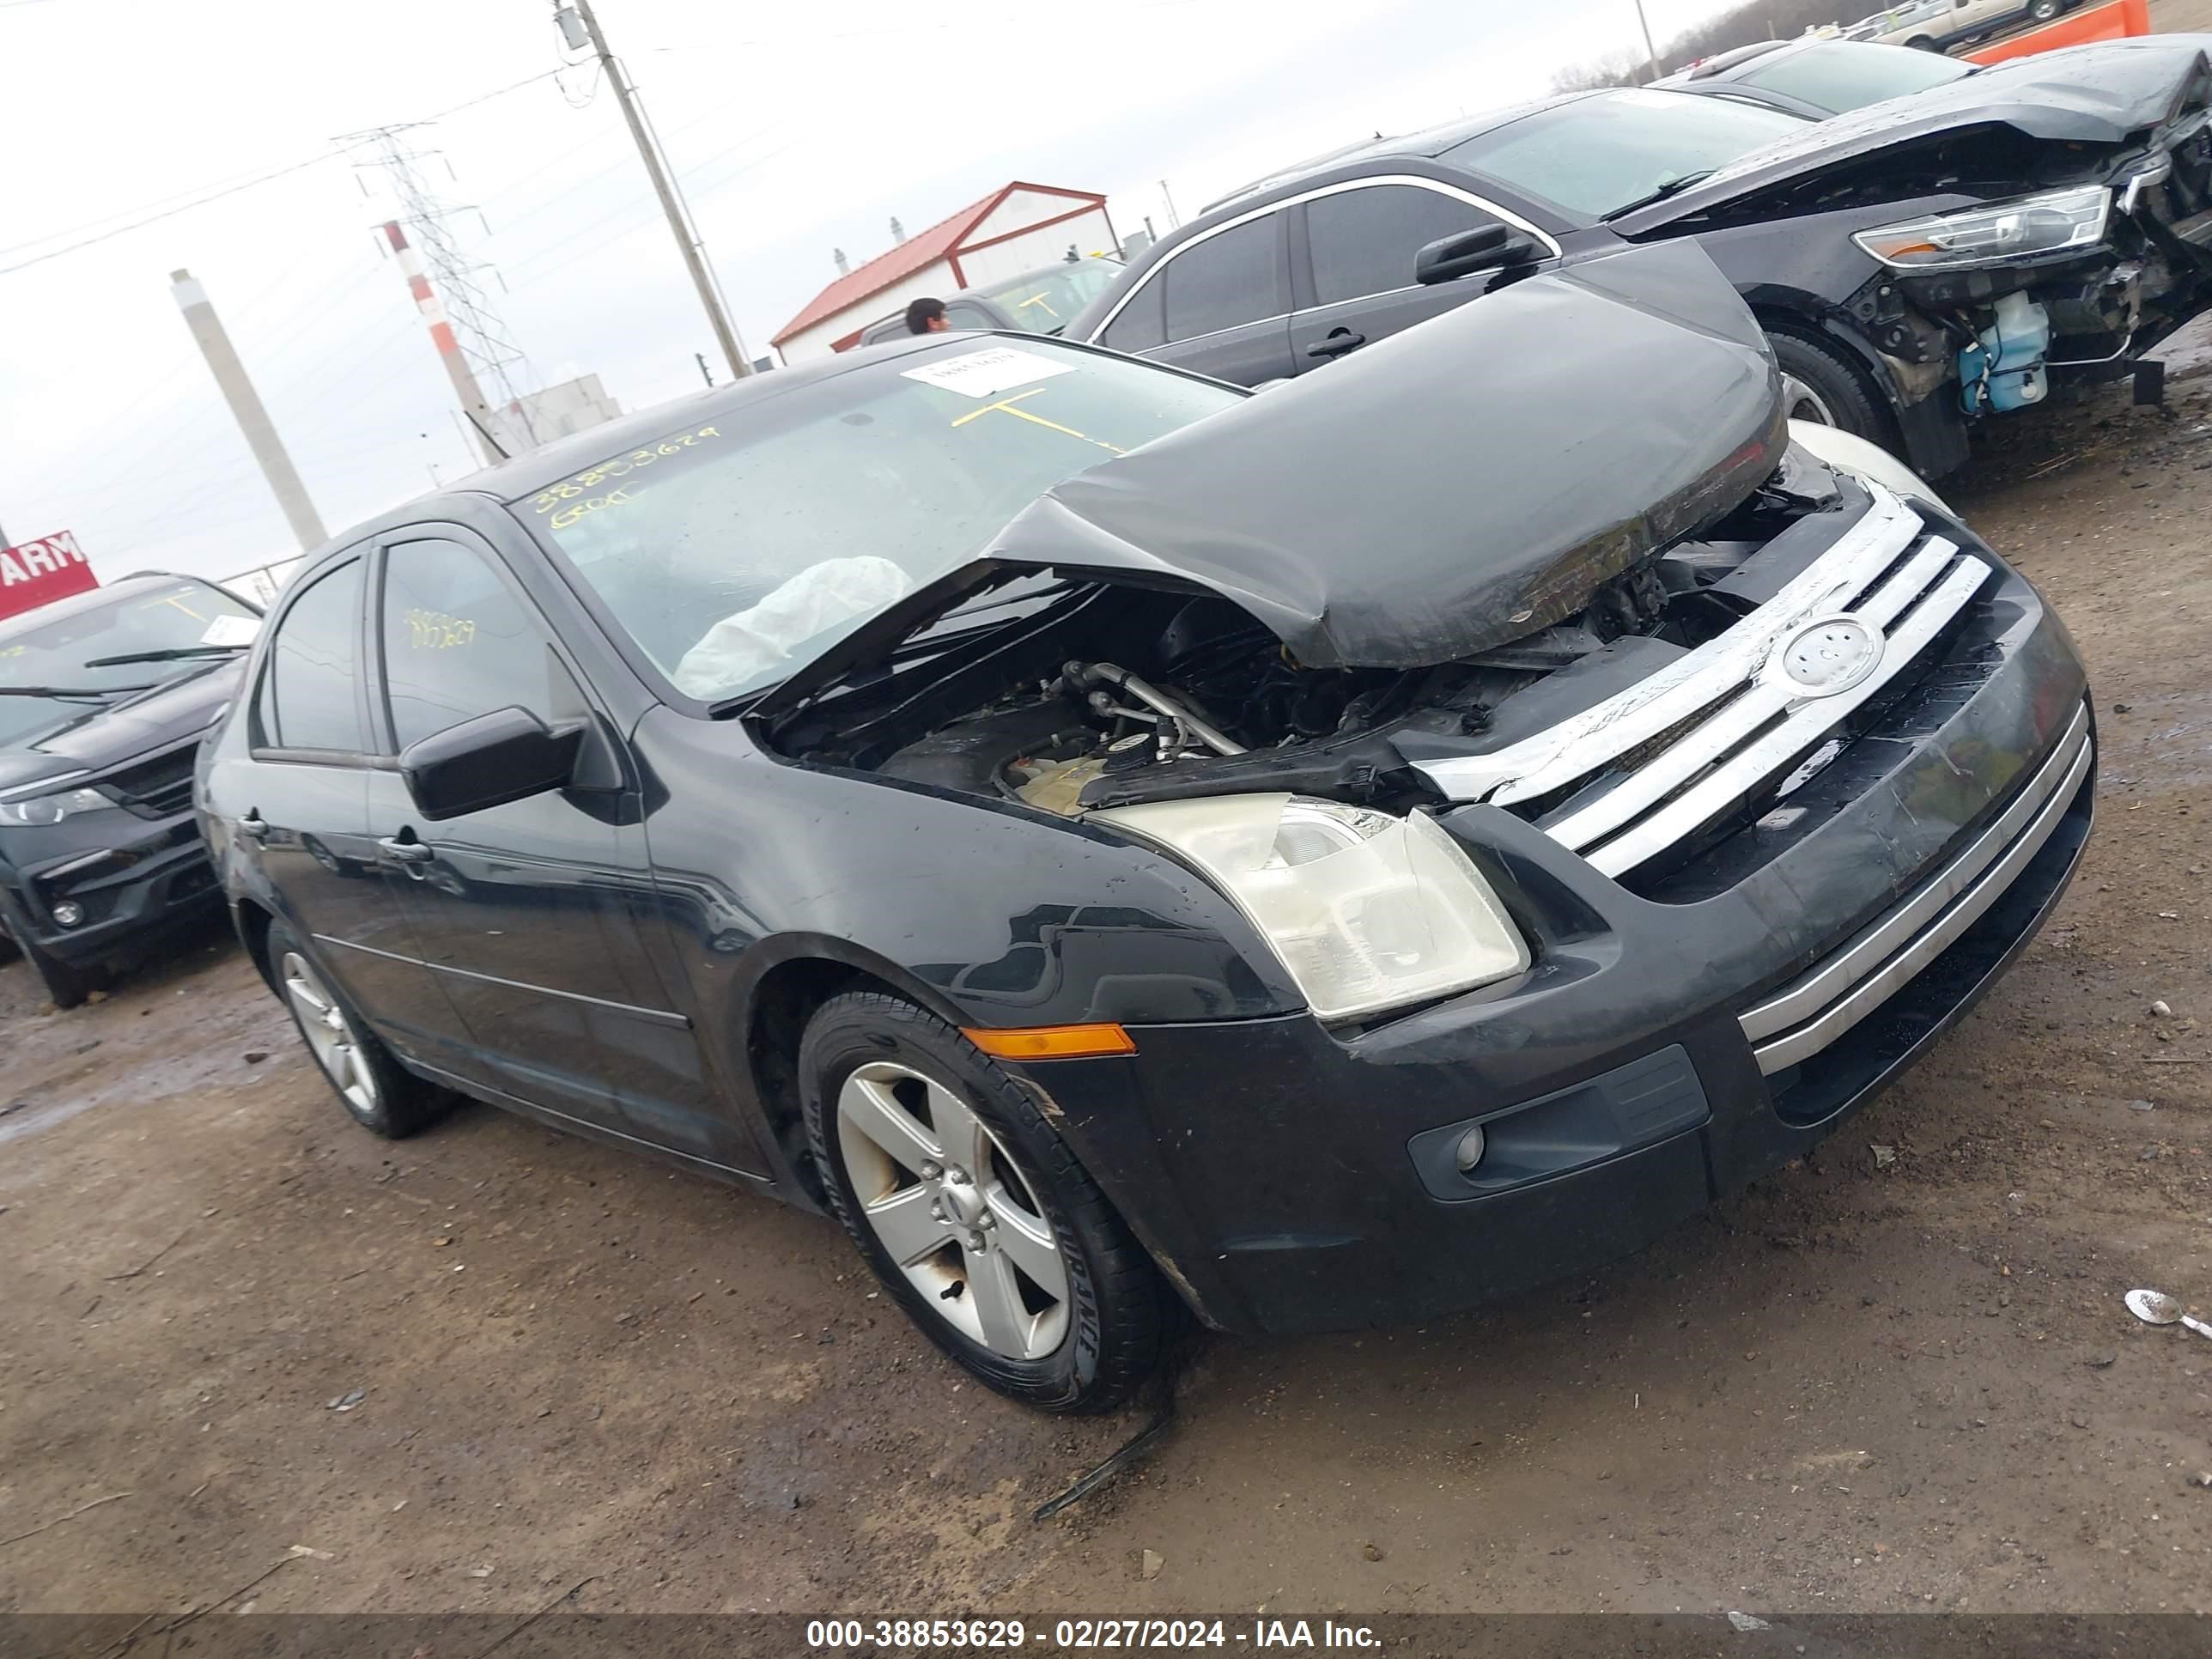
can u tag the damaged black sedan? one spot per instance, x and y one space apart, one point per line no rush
1919 265
1315 859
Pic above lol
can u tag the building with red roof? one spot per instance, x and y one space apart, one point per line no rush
1014 229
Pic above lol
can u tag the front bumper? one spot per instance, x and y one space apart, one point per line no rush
155 877
1664 1050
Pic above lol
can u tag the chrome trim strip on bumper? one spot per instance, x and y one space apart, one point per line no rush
1735 717
1808 722
1835 994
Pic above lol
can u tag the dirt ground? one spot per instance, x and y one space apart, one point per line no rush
1860 1388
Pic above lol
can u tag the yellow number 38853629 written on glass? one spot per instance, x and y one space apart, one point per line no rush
571 499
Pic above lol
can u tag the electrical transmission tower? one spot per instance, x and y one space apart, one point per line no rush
480 352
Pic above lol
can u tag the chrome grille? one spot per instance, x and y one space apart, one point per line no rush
1720 722
1815 1009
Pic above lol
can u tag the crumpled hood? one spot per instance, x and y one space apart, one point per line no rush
1454 486
2094 95
105 737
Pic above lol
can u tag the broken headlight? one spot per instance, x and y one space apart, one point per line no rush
2049 224
1367 911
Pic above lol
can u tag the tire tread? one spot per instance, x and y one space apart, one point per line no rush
1133 1303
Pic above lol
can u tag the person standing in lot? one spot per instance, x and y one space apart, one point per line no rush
927 317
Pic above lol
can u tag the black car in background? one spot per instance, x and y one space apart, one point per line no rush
1322 858
1917 264
1816 77
103 699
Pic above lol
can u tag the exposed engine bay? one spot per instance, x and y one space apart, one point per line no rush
1098 694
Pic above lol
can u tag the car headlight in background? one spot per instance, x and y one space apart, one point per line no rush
52 809
1367 911
2049 224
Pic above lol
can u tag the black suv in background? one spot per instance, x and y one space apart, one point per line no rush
104 698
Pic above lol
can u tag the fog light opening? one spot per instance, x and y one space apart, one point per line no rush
1469 1152
69 914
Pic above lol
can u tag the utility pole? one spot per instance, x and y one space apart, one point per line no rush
679 219
458 368
245 404
705 374
1651 53
1175 219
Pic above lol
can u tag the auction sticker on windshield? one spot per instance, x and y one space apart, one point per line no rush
988 373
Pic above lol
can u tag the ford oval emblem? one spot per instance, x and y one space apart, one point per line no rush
1831 656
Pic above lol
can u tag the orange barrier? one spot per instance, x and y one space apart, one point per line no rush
2113 21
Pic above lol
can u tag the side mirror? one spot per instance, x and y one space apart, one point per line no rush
1486 248
507 755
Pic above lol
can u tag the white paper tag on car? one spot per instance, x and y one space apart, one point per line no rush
988 373
231 631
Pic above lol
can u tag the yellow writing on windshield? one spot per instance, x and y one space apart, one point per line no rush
1005 406
1040 298
555 499
577 509
434 630
176 600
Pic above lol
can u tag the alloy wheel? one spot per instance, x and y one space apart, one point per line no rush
329 1035
1800 401
951 1208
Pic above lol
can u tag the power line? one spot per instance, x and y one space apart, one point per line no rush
250 183
171 213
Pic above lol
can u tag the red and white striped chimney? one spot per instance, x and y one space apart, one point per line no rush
473 406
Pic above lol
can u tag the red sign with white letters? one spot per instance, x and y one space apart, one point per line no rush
32 574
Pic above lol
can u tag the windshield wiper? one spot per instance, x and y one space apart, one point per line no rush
71 693
174 653
1673 186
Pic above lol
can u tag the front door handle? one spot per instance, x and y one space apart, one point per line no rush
408 851
1340 341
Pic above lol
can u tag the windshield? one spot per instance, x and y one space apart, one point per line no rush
1841 74
1046 301
166 616
1598 154
737 550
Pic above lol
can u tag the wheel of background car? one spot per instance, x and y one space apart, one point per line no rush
973 1213
66 984
2043 10
377 1092
1821 385
1924 43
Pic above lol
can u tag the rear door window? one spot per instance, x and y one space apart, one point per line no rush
1138 325
1233 278
309 699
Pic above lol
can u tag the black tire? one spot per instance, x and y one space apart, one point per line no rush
2043 10
395 1103
1924 43
1847 401
67 985
1117 1310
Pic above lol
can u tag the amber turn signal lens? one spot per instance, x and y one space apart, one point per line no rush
1052 1042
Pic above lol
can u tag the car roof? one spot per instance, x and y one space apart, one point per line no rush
1707 69
92 598
538 469
1425 143
553 462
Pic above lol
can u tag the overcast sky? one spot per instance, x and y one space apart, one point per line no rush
795 130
